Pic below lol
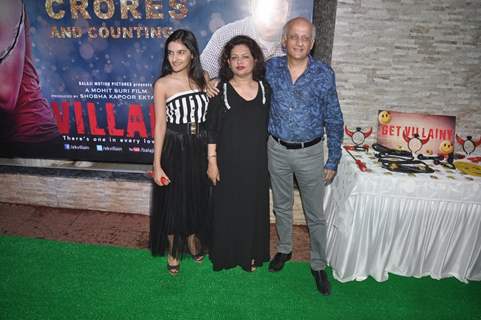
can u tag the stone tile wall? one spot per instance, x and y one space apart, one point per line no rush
110 195
411 56
77 193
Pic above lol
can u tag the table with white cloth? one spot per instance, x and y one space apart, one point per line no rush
421 224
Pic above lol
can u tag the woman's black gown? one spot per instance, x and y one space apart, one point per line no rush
240 201
180 209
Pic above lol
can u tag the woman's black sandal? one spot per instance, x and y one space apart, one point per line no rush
198 257
253 266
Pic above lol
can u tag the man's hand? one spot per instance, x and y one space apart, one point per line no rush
212 90
329 176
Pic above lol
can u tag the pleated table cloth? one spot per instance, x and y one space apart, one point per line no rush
381 222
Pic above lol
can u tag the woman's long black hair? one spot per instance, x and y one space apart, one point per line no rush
225 73
196 73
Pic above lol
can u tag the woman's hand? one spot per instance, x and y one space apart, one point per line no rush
213 172
160 178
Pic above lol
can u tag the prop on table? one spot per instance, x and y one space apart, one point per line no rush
426 134
439 160
385 152
448 163
414 143
358 137
433 158
469 145
468 168
407 166
404 161
446 148
474 159
361 165
399 160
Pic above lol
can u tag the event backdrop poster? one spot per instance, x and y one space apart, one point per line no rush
96 62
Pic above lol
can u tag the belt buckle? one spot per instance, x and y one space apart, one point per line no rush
193 128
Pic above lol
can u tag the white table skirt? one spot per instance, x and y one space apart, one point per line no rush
427 224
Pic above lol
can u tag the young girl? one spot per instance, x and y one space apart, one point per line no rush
180 192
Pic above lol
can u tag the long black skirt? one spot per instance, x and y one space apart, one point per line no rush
180 209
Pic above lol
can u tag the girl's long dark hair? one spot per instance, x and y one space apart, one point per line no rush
196 73
225 73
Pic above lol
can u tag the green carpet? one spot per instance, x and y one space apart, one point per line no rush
41 279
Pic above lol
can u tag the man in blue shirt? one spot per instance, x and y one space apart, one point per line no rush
304 107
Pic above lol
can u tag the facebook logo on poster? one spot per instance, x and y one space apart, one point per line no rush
99 147
66 146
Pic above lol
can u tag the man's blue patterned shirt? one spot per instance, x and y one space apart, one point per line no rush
300 111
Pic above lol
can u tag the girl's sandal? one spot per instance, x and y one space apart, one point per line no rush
173 269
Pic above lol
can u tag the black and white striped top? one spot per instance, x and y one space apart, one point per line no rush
187 106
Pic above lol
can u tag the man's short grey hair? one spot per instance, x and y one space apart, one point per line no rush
288 24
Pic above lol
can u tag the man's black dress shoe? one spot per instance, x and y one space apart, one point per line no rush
277 263
322 283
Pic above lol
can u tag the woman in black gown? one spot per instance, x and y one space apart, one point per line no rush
178 220
237 158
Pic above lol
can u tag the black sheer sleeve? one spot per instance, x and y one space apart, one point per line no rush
214 116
